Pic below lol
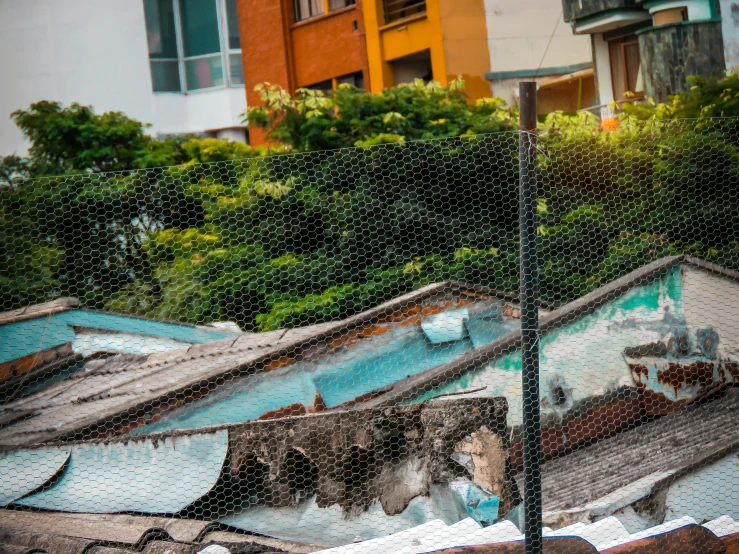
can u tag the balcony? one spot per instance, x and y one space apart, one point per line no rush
579 9
395 10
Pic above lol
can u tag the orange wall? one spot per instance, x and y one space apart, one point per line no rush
278 51
264 45
326 47
466 44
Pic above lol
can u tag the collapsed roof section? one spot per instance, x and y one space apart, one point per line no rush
400 465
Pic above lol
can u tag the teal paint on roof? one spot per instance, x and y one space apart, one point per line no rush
584 356
260 394
341 380
149 476
35 335
338 377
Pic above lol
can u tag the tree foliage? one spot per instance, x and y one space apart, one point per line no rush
361 211
317 120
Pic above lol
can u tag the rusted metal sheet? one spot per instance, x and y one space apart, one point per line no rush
691 539
24 471
26 364
731 543
669 383
146 475
593 420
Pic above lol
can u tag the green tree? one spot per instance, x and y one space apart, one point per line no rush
70 229
348 116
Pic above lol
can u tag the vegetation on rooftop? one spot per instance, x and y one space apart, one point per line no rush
287 240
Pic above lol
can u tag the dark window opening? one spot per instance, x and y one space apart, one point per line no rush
355 79
334 5
415 66
305 9
396 10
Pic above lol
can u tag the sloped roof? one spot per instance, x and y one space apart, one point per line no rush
124 385
24 532
661 450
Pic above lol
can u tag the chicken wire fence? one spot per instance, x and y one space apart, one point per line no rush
322 350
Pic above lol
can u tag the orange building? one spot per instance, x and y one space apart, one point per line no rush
374 44
378 44
301 43
428 39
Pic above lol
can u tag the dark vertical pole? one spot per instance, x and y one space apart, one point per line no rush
530 321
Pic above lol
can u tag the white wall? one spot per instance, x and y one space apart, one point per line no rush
602 64
730 31
198 111
519 31
93 52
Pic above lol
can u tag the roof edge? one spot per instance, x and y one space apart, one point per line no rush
35 311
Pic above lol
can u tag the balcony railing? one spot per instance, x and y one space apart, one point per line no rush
396 10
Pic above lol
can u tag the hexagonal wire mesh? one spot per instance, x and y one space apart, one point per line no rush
316 350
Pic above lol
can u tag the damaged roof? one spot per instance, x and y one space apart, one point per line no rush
28 532
24 532
334 465
400 351
118 394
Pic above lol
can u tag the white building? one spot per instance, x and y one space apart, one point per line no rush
173 63
530 40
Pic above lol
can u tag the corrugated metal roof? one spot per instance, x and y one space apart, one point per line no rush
108 528
658 448
104 389
56 533
608 535
24 471
142 475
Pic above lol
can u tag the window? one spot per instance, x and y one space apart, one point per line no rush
162 39
334 5
400 9
193 44
323 86
305 9
355 79
626 67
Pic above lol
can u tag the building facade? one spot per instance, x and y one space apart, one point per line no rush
649 48
377 44
173 63
301 43
530 40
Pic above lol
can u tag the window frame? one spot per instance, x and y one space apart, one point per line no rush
621 44
393 15
225 52
226 46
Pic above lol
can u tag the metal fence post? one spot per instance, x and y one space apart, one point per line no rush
530 320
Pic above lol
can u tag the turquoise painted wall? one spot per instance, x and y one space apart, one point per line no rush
583 358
